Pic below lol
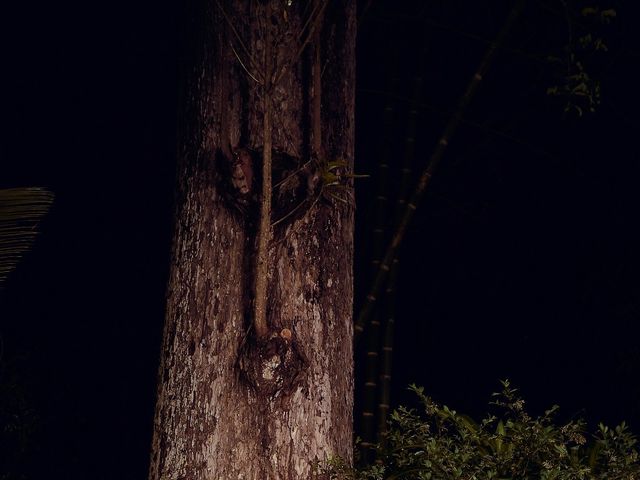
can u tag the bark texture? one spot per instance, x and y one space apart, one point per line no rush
230 406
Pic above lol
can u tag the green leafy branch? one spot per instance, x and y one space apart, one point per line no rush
440 443
577 85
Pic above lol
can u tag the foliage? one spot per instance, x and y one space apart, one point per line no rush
576 85
335 180
18 420
443 444
21 210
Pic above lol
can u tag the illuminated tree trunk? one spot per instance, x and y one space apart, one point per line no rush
231 405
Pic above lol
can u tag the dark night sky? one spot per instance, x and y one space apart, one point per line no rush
522 261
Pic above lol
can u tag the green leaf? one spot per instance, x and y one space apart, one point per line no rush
468 423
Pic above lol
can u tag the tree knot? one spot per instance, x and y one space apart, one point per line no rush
273 365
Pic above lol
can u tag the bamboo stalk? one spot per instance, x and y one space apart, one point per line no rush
390 297
379 228
409 150
384 404
427 174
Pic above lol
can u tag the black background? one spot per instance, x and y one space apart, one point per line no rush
522 261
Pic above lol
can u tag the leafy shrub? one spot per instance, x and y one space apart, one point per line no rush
442 444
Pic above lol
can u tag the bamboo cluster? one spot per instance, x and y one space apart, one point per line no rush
381 293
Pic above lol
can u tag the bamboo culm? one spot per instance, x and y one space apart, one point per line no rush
390 297
381 221
427 173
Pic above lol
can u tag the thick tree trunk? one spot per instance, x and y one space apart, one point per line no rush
230 405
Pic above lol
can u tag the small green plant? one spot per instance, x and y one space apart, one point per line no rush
441 444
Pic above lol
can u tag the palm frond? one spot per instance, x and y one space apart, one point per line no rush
21 209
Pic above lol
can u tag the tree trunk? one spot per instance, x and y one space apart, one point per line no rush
231 404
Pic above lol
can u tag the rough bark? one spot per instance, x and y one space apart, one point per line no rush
231 406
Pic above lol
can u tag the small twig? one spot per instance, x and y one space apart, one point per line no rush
244 67
317 18
306 215
316 6
238 37
292 174
287 215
